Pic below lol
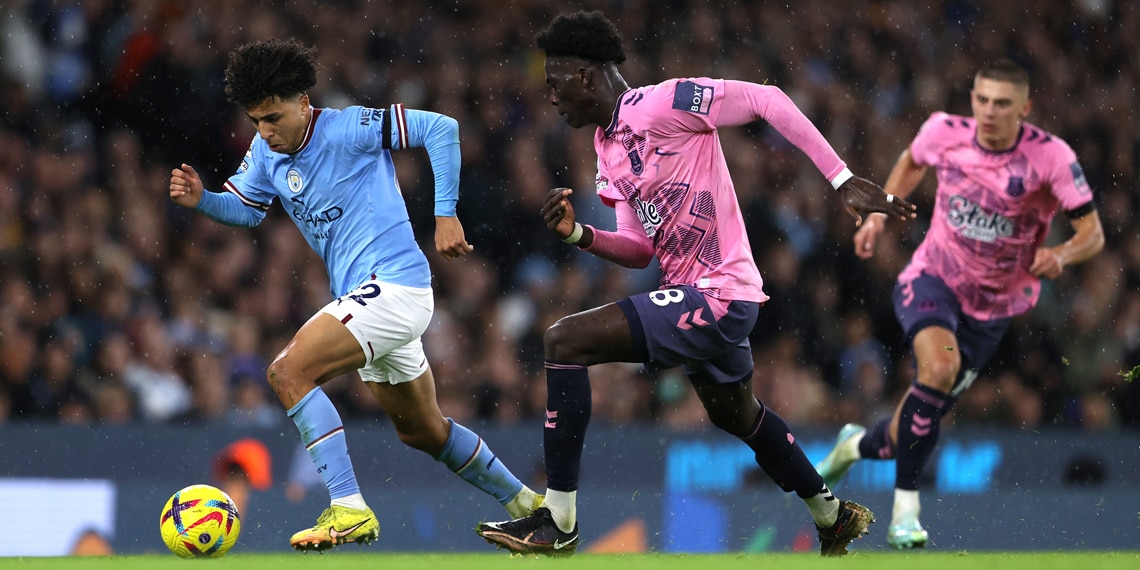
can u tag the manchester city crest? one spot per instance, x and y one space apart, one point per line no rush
294 179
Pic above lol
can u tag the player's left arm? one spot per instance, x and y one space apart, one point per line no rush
745 102
439 134
1087 241
1067 183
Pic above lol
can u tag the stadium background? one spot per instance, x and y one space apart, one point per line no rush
119 311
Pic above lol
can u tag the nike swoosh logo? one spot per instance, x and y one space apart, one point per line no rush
334 533
558 545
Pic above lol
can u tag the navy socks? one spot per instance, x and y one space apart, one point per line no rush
568 403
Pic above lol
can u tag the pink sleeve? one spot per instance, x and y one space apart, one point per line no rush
924 146
745 102
628 246
1067 179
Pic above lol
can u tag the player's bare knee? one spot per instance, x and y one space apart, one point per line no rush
562 343
286 382
940 373
277 375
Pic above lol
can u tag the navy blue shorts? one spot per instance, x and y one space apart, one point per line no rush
927 301
674 327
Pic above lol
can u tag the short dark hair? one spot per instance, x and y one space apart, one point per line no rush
588 35
1005 70
262 70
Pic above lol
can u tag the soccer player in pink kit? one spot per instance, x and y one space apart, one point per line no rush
1000 182
661 167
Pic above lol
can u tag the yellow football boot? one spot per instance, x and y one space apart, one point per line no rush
338 525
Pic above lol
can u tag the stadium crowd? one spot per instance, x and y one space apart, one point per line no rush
116 306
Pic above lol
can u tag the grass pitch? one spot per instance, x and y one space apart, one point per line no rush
349 560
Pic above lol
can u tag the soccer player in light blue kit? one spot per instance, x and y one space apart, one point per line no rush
332 171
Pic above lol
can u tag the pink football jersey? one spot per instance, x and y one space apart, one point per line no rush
992 212
662 156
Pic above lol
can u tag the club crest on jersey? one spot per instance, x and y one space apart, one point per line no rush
692 97
1016 187
294 180
635 164
647 213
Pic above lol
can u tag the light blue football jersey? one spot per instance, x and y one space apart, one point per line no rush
341 191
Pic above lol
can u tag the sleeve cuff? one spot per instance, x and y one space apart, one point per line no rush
843 176
446 208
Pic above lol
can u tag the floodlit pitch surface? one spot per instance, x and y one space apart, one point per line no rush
350 558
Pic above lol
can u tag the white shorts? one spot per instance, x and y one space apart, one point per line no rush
387 320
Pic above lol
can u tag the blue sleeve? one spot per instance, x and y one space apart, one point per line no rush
226 208
439 134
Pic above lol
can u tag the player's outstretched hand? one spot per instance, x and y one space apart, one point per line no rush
449 239
558 212
862 197
868 235
185 186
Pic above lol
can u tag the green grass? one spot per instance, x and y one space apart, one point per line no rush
499 561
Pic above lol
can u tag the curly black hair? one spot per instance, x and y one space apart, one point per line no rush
261 70
588 35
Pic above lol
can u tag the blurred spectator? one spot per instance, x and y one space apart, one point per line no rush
240 468
161 391
863 358
302 476
252 405
54 386
788 385
91 543
5 407
113 403
209 388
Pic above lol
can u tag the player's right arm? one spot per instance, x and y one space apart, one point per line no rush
628 246
186 190
185 186
902 181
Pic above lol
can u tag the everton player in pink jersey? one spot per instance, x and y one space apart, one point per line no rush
1000 182
661 167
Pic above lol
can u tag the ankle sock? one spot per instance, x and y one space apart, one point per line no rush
563 508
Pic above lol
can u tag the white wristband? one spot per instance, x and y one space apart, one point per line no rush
842 177
574 235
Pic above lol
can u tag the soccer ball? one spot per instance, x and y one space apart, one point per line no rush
200 521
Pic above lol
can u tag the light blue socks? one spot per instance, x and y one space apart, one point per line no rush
322 432
468 456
